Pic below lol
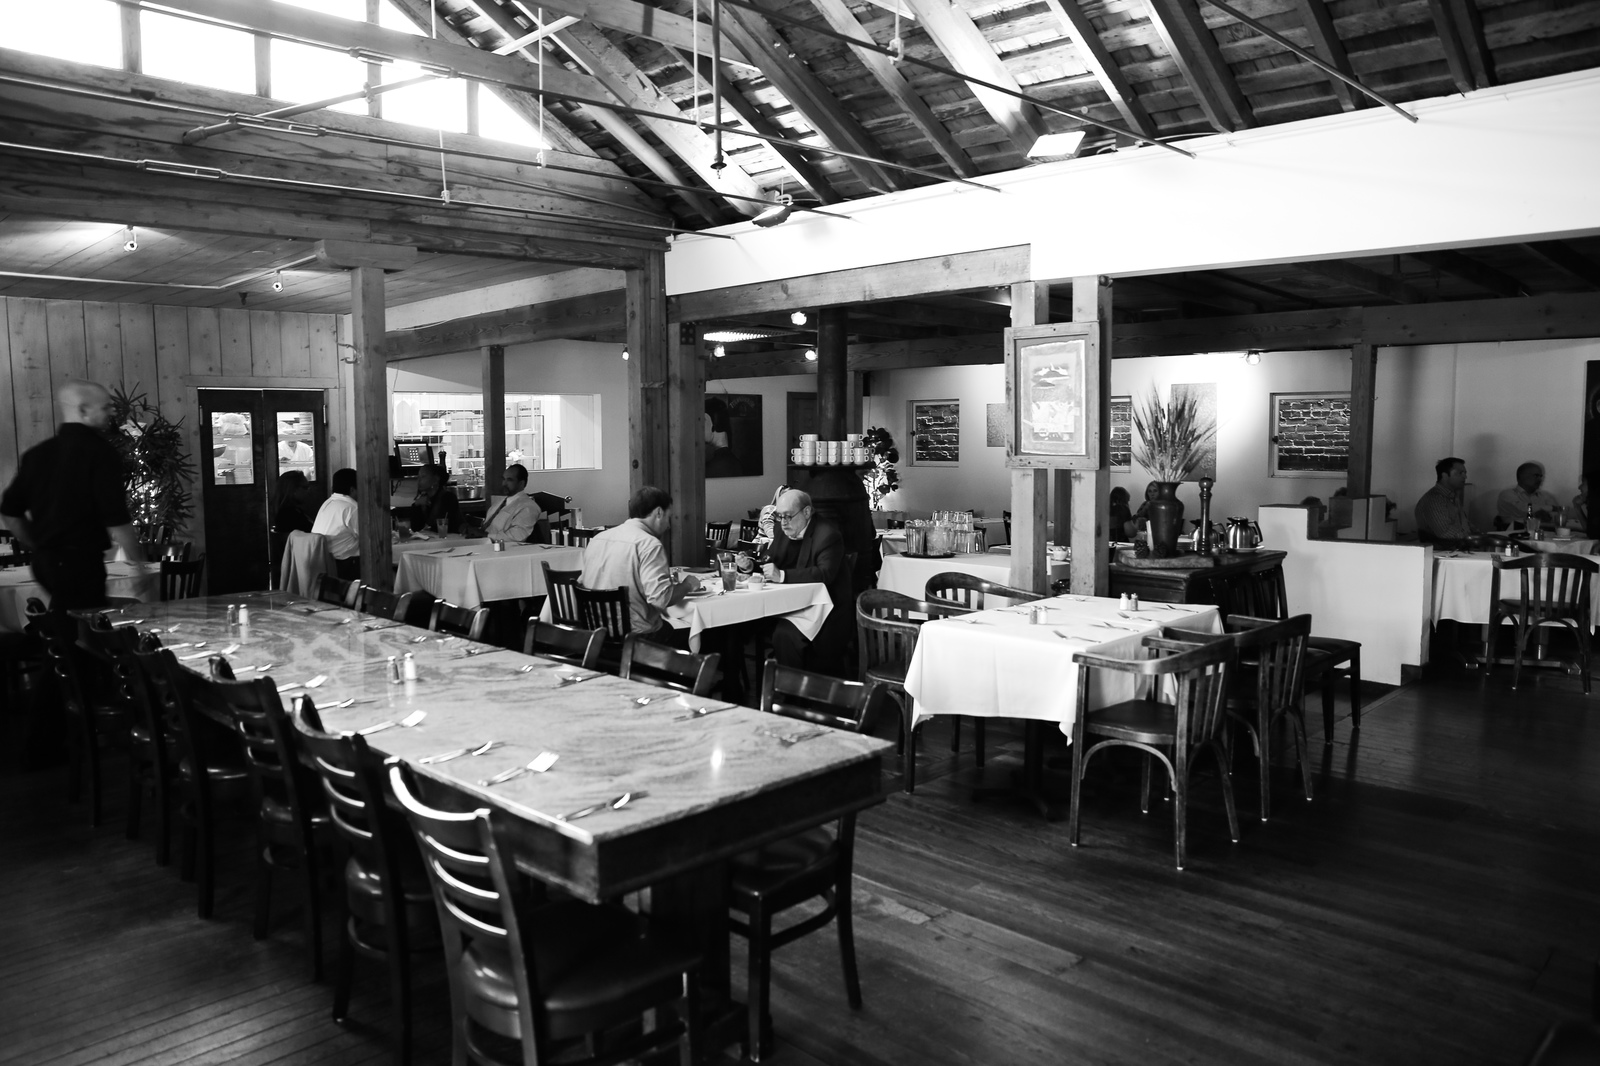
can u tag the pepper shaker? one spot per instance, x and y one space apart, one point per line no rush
394 670
233 614
1133 601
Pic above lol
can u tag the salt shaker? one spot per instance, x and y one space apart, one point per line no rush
244 615
1123 602
409 667
1036 615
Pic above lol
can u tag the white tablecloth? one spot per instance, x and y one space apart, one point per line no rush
806 605
1571 546
909 576
997 665
1461 584
471 573
139 581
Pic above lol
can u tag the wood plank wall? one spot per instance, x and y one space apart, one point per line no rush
165 352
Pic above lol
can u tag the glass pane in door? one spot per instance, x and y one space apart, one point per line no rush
232 458
297 443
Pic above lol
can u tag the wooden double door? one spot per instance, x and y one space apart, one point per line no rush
248 438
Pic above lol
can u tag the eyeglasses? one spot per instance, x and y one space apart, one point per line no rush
786 516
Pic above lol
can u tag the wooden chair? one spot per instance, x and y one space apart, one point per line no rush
154 750
394 606
466 622
566 644
815 864
561 585
606 609
1259 592
96 714
887 624
388 905
749 529
580 536
1173 732
292 824
569 981
330 589
717 534
1555 592
212 774
664 667
157 550
181 580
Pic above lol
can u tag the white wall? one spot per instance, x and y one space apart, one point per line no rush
574 367
730 497
982 481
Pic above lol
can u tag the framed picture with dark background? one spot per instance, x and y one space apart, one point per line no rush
733 434
935 432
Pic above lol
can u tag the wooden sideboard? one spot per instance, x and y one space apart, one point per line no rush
1189 584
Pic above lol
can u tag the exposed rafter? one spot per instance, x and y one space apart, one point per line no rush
1098 59
1461 34
1561 255
964 45
637 20
1360 277
1194 49
1473 272
1326 43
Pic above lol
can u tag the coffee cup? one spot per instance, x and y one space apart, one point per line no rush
1058 555
809 438
1563 531
796 454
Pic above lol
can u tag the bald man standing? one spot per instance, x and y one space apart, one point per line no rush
67 503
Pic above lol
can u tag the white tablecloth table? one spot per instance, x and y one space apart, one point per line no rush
471 573
805 604
996 664
1569 545
1461 584
138 581
909 576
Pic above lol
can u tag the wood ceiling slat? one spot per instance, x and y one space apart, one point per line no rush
968 51
1461 34
1194 49
1098 59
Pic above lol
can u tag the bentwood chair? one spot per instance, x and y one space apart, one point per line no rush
568 981
887 624
961 593
664 667
1556 592
566 644
606 609
815 864
562 587
580 536
466 622
96 714
180 580
394 606
330 589
717 534
154 750
388 912
292 824
1173 733
749 529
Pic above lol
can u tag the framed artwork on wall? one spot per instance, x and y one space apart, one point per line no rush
934 427
1310 434
1053 396
1120 442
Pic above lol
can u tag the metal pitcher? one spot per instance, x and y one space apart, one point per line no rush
1243 535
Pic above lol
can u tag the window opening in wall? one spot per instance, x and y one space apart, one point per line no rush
200 54
1310 434
543 432
84 31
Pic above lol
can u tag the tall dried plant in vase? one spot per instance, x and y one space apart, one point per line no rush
1172 436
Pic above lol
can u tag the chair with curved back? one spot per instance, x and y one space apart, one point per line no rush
96 712
566 644
656 664
330 589
466 622
155 748
180 579
1173 733
396 607
606 609
562 588
1555 591
292 825
580 536
887 624
817 863
388 904
553 976
717 534
749 529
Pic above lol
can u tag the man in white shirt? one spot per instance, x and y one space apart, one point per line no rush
631 555
338 520
512 519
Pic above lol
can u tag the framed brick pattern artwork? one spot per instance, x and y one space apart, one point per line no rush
935 431
1120 445
1310 434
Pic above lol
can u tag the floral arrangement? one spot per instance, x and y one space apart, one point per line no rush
1172 439
882 478
157 471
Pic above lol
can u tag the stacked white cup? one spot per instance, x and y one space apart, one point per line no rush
808 449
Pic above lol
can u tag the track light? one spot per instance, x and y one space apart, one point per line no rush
277 281
132 243
811 355
777 214
798 318
624 355
1252 358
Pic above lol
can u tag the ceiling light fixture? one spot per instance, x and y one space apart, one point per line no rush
1252 358
811 355
132 244
277 281
734 336
624 355
798 318
1056 146
777 214
720 352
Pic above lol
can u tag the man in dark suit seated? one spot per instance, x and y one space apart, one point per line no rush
808 549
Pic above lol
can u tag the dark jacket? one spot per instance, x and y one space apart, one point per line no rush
818 556
71 487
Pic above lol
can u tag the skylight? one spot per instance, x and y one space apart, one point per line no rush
84 31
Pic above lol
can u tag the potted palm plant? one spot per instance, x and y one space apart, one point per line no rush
1172 438
157 470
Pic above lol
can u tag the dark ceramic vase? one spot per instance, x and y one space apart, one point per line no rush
1166 520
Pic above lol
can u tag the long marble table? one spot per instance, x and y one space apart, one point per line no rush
718 785
136 581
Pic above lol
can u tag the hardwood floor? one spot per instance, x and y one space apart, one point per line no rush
1434 904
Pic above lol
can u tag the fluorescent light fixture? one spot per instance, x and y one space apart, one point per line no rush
734 336
1056 146
777 214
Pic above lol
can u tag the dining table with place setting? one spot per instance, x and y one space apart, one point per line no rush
1463 580
472 572
909 574
714 604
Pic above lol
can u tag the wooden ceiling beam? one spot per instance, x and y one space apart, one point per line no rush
642 20
1564 257
1181 287
1194 49
802 169
1226 280
572 318
932 314
809 96
1465 50
839 16
1097 57
1366 280
1473 272
1325 41
968 51
884 355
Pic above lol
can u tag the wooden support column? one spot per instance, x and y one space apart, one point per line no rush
373 443
1363 391
649 434
1091 489
833 386
1030 489
853 404
494 418
686 402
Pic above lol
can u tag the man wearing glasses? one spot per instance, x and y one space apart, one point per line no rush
808 549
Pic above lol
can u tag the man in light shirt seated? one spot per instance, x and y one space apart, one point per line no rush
512 519
339 521
1526 497
632 555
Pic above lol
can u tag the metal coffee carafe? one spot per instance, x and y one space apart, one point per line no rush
1243 535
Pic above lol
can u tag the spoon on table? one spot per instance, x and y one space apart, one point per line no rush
615 804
